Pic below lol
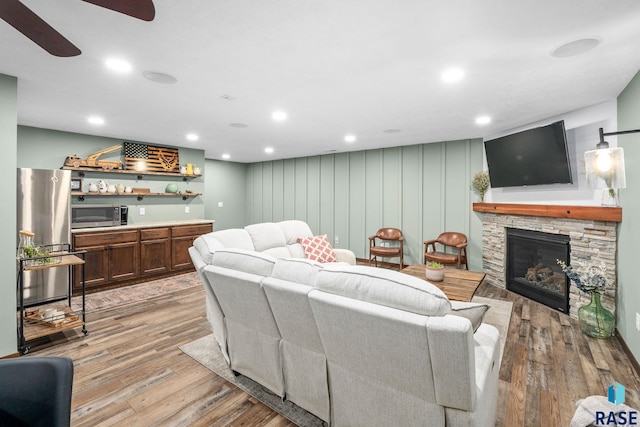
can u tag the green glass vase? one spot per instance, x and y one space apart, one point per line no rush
595 320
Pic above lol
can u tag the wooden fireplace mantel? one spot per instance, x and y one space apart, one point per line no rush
597 213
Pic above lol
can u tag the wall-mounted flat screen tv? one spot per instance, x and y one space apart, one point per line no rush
533 157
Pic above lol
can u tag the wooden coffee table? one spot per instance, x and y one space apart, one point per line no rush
458 285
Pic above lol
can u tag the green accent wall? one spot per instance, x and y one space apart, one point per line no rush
47 149
421 189
225 182
628 284
8 233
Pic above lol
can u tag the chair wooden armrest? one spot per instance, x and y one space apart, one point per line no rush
462 245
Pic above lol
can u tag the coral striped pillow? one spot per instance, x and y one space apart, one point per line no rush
318 248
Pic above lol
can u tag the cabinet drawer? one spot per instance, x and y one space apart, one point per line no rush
105 238
191 230
154 233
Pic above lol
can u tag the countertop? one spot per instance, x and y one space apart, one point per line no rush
146 225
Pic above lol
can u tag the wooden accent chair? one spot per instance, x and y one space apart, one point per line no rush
387 235
448 239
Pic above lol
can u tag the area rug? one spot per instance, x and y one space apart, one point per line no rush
498 315
130 294
207 352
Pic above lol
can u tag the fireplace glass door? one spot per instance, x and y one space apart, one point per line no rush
532 270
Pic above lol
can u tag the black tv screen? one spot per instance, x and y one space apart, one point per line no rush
533 157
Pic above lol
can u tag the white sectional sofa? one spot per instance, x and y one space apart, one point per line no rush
354 345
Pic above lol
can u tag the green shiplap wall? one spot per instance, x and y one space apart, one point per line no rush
225 182
421 189
8 233
628 237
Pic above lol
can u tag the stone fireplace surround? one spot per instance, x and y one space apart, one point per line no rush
592 232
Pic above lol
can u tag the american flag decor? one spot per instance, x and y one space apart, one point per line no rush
147 158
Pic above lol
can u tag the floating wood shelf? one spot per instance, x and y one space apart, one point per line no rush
597 213
140 174
81 195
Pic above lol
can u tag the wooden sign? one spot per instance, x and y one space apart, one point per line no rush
147 158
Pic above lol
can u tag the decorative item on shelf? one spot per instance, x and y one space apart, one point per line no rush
604 167
102 187
171 188
480 183
183 169
197 170
76 184
93 188
595 320
189 169
26 240
92 161
111 188
120 188
128 189
142 157
434 271
28 249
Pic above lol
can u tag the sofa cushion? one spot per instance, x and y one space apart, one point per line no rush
246 261
266 236
293 229
470 310
297 270
208 243
318 248
384 287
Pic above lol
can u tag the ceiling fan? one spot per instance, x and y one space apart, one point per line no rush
23 19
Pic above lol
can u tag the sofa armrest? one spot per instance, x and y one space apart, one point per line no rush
462 363
345 255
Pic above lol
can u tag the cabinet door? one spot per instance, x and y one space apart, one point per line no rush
180 258
182 239
96 268
155 256
124 261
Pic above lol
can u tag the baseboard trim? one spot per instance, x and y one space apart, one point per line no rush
10 356
627 351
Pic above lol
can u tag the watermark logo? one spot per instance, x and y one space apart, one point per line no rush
619 417
615 394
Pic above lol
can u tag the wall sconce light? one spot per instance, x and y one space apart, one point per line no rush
605 168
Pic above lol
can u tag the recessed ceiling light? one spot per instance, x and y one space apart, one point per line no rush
226 156
238 125
95 120
483 120
575 47
350 138
118 65
279 116
268 150
453 75
158 77
392 131
192 137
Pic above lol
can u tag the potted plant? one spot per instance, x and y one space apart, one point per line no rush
434 271
480 183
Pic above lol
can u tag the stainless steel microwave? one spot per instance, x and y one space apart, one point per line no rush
86 216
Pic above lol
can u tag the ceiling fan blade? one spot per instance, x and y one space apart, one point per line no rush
141 9
35 28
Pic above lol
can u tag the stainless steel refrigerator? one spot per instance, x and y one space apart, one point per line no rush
44 207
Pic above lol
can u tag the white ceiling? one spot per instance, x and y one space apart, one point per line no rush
336 67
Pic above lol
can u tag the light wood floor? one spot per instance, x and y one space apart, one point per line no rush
130 371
